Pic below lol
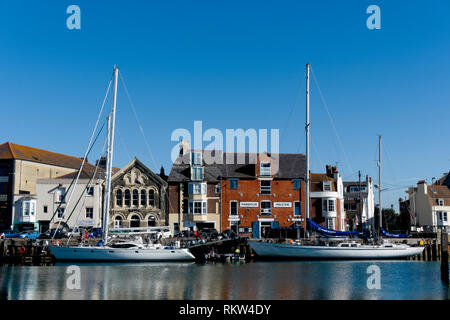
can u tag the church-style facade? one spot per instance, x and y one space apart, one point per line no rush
139 197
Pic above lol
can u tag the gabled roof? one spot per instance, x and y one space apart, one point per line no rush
440 192
138 163
11 150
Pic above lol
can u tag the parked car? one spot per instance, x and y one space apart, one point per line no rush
30 235
54 233
10 234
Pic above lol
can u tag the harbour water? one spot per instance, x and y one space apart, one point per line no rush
294 280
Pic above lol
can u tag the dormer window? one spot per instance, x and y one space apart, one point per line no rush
327 186
265 169
196 158
197 173
440 202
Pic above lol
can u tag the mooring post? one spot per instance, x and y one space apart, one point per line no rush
444 256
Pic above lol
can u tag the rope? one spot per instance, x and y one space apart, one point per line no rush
331 121
84 192
87 150
137 120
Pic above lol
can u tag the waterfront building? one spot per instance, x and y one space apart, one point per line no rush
20 168
85 208
139 197
194 191
262 193
359 202
327 199
429 204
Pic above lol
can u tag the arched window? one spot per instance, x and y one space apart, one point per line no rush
143 198
135 197
151 197
151 222
135 221
119 197
127 197
118 222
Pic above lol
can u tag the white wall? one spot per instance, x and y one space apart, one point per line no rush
46 190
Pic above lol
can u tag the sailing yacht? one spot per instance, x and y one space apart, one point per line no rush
344 250
118 251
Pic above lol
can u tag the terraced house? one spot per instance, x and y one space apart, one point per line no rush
194 191
20 168
263 193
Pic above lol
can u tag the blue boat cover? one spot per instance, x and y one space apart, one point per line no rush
330 232
393 235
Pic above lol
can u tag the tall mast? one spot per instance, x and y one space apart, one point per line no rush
109 159
307 146
379 183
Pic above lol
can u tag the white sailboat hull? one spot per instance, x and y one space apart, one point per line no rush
292 251
119 254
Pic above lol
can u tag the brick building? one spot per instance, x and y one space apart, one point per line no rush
264 193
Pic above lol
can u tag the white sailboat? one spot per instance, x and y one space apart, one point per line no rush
345 250
118 251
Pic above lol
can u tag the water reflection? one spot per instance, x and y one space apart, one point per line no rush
262 280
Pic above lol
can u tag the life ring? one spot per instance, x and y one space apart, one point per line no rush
22 250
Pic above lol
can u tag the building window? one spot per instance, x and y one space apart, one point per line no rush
326 186
445 216
233 208
196 158
217 189
90 213
119 197
439 215
28 208
266 208
151 197
440 202
197 207
233 184
331 223
265 169
151 221
143 198
196 173
118 222
45 209
265 186
135 197
357 189
90 191
127 197
297 184
329 205
61 192
197 188
297 208
61 212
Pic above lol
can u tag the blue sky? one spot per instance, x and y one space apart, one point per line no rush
236 64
